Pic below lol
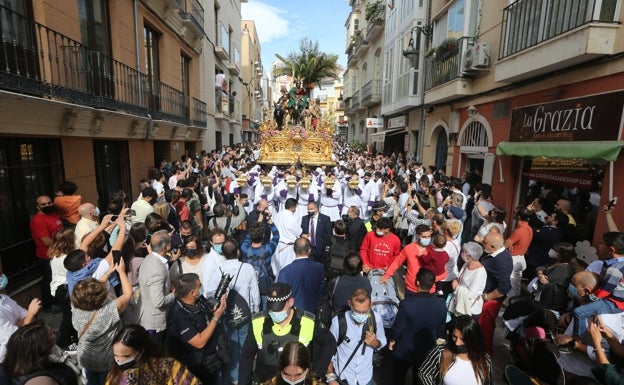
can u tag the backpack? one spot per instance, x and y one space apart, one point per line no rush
335 258
342 326
264 273
237 313
384 297
226 230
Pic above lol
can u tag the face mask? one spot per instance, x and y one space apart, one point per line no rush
461 349
48 209
97 212
358 318
465 257
190 252
379 233
4 281
278 316
127 364
297 382
246 204
218 249
311 213
385 215
572 291
552 254
425 241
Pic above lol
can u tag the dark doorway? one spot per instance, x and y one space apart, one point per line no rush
112 170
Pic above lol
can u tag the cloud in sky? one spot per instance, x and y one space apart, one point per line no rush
268 19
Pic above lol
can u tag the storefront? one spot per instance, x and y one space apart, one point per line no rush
568 149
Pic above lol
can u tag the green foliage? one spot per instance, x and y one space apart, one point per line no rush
355 145
373 10
309 65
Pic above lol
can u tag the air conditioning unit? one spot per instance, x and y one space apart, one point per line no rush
476 58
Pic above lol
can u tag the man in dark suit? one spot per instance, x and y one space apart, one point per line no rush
317 227
498 264
260 213
419 322
356 230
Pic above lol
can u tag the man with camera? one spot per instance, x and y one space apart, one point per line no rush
194 327
271 330
359 333
242 279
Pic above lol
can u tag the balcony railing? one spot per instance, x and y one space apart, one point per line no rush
445 64
195 13
371 92
527 23
39 61
354 101
198 113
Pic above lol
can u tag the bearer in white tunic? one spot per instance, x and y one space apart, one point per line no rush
289 230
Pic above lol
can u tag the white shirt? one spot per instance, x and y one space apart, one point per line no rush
461 373
10 314
360 369
210 262
59 273
246 284
83 227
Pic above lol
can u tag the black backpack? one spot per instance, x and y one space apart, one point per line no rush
237 313
342 326
336 254
264 272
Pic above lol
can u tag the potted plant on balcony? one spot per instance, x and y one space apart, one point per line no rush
373 11
447 49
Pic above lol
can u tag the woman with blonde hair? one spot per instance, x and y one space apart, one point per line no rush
62 244
451 229
97 322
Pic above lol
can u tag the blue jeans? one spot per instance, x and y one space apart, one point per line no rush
237 339
582 313
95 377
263 302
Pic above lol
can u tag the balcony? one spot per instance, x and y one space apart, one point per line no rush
443 72
222 45
375 27
193 16
198 113
371 93
361 45
38 61
541 36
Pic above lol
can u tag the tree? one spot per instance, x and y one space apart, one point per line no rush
309 66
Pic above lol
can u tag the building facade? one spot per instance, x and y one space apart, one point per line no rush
97 92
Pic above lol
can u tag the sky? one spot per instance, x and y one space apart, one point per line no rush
281 24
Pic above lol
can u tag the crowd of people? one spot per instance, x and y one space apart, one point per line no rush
224 271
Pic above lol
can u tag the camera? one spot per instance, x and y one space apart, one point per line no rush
215 300
346 219
445 192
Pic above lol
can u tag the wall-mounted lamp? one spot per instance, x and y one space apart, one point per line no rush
472 111
340 98
412 51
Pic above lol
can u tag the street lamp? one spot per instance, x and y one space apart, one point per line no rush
412 51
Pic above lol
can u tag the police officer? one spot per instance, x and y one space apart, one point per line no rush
272 329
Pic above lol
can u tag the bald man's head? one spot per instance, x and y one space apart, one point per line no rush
585 282
493 241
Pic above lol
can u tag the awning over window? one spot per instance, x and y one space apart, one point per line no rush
381 136
607 150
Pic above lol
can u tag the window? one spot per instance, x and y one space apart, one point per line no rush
474 135
94 26
152 68
185 65
112 170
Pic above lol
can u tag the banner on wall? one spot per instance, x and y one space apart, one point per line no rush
582 181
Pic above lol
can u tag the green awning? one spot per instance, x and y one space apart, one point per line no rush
607 150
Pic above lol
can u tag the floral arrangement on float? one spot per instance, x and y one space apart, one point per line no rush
298 132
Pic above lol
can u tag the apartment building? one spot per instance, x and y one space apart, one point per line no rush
98 91
256 86
362 80
525 95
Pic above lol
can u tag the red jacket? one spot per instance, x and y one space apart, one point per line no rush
379 252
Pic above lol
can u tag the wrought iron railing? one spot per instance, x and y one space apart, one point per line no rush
37 60
529 22
198 113
371 92
355 101
195 13
445 64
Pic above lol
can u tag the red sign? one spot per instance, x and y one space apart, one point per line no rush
592 118
582 181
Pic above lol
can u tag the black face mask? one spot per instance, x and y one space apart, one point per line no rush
461 349
311 213
48 209
126 365
190 252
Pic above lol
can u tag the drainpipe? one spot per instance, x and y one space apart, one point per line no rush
137 49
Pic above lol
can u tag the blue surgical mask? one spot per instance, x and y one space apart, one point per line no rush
385 215
4 281
97 212
359 318
425 241
218 248
278 316
379 233
572 291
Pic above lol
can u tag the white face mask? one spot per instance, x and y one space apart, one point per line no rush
552 254
297 382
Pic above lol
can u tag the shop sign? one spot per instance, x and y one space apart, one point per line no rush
396 122
582 181
374 122
591 118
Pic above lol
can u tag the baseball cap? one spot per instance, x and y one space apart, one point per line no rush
457 212
380 206
278 294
